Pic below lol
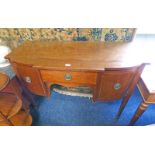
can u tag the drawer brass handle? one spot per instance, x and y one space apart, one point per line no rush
27 79
117 86
68 77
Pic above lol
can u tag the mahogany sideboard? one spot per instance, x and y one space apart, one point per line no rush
108 68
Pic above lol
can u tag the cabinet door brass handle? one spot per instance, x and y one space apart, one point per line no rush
68 77
27 79
117 86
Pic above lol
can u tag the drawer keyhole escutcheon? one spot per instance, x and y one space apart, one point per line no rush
117 86
27 79
68 77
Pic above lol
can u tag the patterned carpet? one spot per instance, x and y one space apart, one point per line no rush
66 110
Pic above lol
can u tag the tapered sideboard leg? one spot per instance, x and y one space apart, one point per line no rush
142 107
122 106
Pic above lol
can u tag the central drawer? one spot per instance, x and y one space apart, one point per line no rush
69 77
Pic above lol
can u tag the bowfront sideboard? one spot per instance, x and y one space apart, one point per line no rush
108 68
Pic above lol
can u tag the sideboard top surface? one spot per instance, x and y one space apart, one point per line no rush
77 55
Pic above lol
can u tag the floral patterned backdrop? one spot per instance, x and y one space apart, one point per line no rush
15 36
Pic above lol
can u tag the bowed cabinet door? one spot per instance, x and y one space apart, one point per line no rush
31 78
113 84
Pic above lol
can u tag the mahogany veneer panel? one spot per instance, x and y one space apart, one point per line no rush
81 55
36 84
109 79
76 77
39 64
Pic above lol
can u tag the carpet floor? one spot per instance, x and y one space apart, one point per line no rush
63 110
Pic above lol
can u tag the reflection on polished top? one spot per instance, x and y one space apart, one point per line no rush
79 55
